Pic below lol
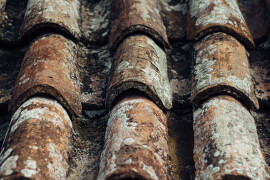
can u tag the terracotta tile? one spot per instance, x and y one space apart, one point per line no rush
136 16
49 67
141 64
226 144
209 16
136 141
221 65
61 14
38 141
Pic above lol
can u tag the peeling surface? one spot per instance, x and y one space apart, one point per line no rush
143 17
135 141
38 141
61 14
49 67
221 65
207 16
139 63
226 141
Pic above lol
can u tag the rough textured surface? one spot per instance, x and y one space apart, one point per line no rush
259 63
94 68
174 15
88 139
207 16
37 142
49 67
62 15
136 16
255 14
226 142
221 65
94 65
135 142
11 19
9 69
180 143
140 55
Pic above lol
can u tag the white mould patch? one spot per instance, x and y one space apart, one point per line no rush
43 114
161 79
57 166
129 141
8 165
5 155
150 170
30 168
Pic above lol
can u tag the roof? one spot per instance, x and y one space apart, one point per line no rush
95 29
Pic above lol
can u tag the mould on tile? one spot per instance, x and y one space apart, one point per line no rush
221 65
60 80
38 140
207 16
141 64
226 141
143 17
62 15
135 141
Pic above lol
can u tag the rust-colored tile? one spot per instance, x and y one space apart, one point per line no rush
136 141
141 64
226 144
49 67
221 65
140 16
38 141
61 14
207 16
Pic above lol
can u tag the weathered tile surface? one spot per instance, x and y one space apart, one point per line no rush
141 64
95 61
136 141
136 16
221 65
49 67
207 16
226 143
37 142
61 14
